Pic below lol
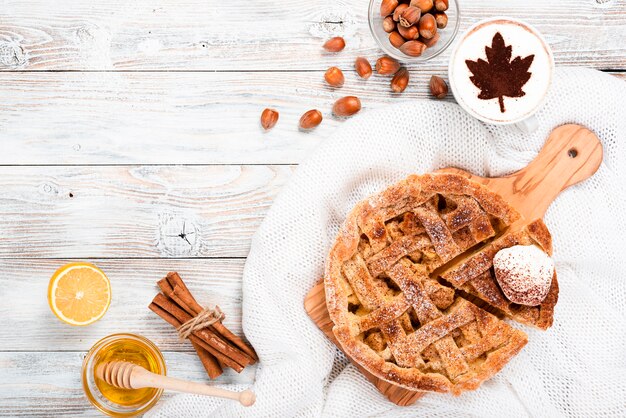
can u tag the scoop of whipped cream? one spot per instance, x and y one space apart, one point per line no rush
524 273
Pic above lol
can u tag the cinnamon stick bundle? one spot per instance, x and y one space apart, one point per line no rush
215 344
208 360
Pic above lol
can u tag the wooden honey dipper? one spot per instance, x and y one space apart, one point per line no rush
125 375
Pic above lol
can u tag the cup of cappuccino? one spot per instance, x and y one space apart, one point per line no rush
500 72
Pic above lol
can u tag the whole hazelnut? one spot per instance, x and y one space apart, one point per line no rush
363 68
432 41
310 119
388 24
409 33
269 117
410 16
387 7
335 44
387 66
334 77
438 87
427 26
396 39
396 13
400 80
441 5
423 5
347 106
442 20
413 48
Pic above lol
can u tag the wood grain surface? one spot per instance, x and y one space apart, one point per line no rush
175 118
263 35
134 211
172 117
41 357
124 125
27 324
47 384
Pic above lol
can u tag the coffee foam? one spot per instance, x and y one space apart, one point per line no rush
524 41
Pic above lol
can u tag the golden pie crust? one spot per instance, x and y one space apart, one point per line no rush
410 285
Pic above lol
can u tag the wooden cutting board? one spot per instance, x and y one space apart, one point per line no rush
571 154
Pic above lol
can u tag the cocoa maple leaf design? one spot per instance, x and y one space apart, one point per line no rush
499 76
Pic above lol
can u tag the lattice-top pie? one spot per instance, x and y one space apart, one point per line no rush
410 285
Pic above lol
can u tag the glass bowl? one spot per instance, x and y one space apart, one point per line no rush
447 34
133 345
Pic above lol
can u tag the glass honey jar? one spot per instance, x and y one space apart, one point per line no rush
109 399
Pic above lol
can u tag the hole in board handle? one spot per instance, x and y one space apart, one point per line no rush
572 153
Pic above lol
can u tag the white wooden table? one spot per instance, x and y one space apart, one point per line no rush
129 137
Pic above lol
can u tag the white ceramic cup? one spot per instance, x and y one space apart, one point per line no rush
524 40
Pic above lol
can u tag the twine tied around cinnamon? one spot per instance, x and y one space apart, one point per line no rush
204 319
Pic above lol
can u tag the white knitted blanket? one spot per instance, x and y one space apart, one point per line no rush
576 368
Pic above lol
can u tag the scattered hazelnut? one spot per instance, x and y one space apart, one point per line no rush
442 20
400 80
427 26
438 87
396 39
387 66
334 77
363 68
432 41
388 24
413 48
335 44
423 5
410 16
387 7
310 119
441 5
396 13
410 33
347 106
269 117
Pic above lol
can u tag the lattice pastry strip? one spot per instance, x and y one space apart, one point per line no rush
402 247
428 228
468 213
427 313
370 296
437 230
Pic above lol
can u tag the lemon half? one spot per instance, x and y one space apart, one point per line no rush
79 293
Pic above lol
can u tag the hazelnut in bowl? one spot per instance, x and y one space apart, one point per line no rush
414 30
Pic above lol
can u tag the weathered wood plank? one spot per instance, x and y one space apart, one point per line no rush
263 34
174 118
27 324
134 211
40 366
37 384
166 118
181 118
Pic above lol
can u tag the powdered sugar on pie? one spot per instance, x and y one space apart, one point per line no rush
524 273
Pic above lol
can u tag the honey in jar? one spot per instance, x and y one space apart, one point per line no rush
122 347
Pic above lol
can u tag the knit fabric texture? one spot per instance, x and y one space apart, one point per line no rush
574 369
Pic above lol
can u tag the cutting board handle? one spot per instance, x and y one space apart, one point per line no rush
571 154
